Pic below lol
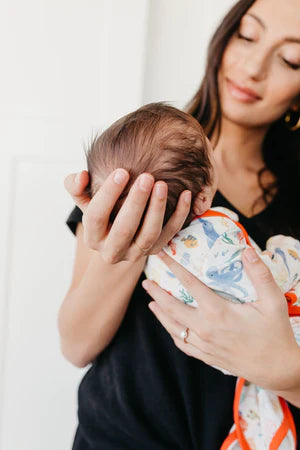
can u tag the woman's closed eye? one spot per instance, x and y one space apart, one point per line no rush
248 38
290 64
245 38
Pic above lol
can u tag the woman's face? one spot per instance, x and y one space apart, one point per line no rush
259 78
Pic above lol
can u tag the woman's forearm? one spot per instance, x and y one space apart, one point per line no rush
92 312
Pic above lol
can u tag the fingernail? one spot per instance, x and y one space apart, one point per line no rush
151 306
77 178
120 176
145 284
145 182
160 190
187 197
161 254
251 255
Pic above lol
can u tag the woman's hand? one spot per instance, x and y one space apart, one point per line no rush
251 340
118 241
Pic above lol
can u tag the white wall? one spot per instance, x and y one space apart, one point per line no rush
179 32
69 68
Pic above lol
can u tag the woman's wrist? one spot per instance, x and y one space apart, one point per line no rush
291 392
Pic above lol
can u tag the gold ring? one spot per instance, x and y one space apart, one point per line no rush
184 335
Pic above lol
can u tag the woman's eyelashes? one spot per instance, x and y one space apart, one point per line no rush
245 38
288 63
291 65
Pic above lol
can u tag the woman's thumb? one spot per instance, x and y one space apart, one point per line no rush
75 184
261 276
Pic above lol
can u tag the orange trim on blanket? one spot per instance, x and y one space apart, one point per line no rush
291 423
288 420
229 440
211 213
294 310
240 435
286 425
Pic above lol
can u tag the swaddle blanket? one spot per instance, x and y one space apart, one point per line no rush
211 248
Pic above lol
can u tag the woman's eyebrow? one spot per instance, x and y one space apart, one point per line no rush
289 39
257 19
292 39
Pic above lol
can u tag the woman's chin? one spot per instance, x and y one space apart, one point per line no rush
245 117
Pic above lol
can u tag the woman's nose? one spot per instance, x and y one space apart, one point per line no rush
256 64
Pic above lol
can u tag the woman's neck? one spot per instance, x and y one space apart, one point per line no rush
239 148
238 158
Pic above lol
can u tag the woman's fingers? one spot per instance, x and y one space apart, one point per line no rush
171 306
191 350
205 297
173 327
152 237
262 278
96 218
191 345
175 222
201 321
153 221
75 185
128 218
120 240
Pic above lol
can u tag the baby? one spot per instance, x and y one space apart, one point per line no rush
160 140
171 145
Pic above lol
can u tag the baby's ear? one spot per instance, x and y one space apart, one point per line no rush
202 202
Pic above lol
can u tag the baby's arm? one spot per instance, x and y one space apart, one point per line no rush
95 303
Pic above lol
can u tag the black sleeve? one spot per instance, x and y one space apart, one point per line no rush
74 217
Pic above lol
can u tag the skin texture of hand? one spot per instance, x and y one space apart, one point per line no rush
120 241
251 340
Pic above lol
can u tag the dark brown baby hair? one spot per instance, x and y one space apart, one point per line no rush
158 139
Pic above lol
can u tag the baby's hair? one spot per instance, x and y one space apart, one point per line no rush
158 139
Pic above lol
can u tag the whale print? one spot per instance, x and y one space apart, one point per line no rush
210 232
228 277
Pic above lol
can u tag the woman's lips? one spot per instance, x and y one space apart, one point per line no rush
242 93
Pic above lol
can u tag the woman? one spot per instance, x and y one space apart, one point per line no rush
156 397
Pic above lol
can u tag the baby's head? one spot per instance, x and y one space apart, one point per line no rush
163 141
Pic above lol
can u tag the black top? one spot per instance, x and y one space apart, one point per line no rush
142 393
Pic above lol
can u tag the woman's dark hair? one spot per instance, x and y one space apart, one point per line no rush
281 146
